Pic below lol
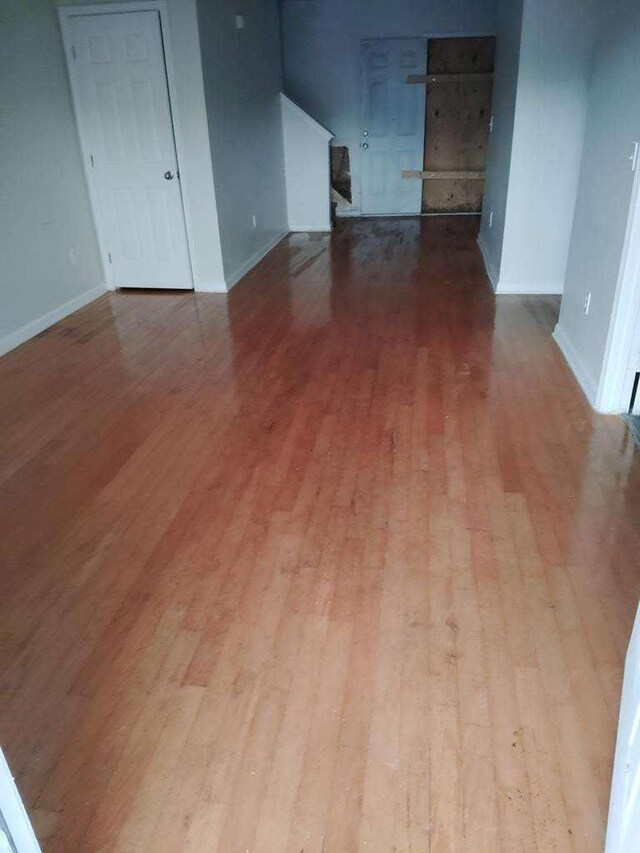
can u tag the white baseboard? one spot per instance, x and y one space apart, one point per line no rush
210 287
505 289
321 229
537 289
242 270
491 274
576 364
30 330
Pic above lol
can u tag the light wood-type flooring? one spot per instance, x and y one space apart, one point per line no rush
342 561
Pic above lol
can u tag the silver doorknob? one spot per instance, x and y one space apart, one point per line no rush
168 176
365 145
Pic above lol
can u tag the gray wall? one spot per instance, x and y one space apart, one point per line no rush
321 49
551 106
532 191
604 192
45 205
243 79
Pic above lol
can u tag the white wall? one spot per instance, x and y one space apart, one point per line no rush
604 193
505 84
242 77
45 211
307 173
533 193
196 174
551 106
321 50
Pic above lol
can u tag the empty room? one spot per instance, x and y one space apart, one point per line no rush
320 426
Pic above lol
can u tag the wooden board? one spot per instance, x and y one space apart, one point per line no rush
443 175
341 171
457 121
448 78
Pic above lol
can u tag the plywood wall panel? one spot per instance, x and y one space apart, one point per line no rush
460 55
457 125
457 122
452 196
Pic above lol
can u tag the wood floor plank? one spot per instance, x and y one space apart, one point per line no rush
340 561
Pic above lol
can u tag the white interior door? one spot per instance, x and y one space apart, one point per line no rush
623 830
117 69
392 129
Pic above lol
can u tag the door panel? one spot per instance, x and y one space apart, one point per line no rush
124 115
392 131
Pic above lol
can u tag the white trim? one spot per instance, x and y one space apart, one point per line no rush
211 287
14 812
65 14
574 361
484 251
450 213
320 130
616 378
538 289
29 330
623 812
449 34
355 213
458 34
244 268
314 228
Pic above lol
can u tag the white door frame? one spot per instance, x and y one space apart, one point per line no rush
65 14
625 815
14 813
616 378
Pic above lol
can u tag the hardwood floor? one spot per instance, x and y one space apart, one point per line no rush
342 562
